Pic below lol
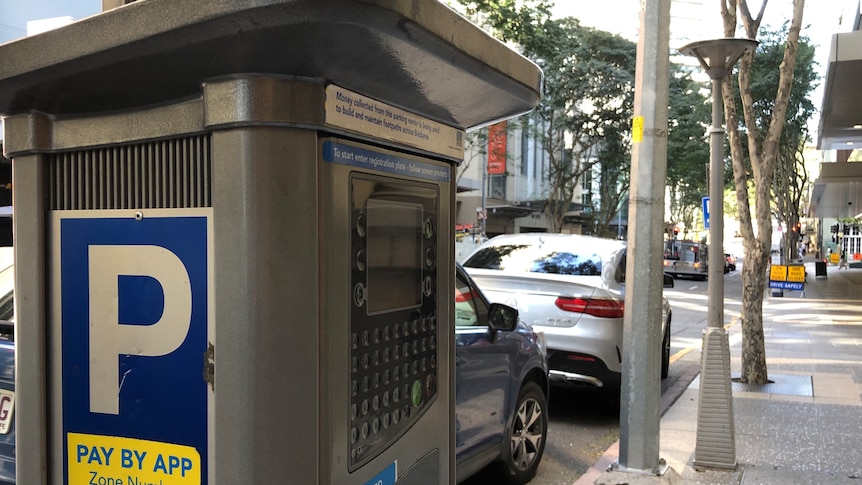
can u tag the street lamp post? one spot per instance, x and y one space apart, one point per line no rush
715 446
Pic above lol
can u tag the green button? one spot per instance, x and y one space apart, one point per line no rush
416 393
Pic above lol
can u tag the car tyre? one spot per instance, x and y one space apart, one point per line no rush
665 351
526 437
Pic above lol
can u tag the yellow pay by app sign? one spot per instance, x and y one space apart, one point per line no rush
128 461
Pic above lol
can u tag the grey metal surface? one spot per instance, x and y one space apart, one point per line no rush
31 366
418 55
787 384
173 173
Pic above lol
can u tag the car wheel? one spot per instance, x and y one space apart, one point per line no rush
665 351
526 437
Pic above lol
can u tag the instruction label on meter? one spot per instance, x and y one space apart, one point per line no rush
132 293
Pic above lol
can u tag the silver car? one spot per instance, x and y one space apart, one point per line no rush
571 288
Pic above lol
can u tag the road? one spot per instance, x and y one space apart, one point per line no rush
583 424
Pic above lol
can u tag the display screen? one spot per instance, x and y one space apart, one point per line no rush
394 255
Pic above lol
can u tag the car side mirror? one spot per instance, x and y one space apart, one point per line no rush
502 317
668 281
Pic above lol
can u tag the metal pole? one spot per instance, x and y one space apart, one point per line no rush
715 445
641 369
715 317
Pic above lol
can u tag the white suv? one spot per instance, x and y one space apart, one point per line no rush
571 288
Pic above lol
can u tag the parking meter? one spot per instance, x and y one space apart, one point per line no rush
234 238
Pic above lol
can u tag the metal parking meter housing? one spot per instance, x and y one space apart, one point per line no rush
234 237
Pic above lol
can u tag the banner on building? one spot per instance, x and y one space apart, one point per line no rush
497 148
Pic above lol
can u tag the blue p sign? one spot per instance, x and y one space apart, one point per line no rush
134 326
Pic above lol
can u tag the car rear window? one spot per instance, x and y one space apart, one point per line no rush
533 259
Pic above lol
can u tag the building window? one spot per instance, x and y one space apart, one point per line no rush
497 186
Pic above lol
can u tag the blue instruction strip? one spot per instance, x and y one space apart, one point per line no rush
344 154
387 477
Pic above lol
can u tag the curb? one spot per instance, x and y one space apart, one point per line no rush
611 455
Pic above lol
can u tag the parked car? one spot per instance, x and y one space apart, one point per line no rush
501 388
571 288
7 368
729 263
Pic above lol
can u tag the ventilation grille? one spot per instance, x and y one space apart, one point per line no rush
162 174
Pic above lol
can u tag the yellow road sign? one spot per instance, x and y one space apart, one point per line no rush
778 272
796 273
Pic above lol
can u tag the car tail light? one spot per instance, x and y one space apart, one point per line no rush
606 308
464 296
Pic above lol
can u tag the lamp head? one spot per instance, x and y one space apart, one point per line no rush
718 56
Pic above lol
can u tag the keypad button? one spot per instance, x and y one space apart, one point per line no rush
386 353
386 399
364 407
375 426
354 435
365 338
361 226
375 358
386 419
364 430
375 380
375 403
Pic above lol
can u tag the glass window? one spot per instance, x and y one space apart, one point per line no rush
466 300
533 259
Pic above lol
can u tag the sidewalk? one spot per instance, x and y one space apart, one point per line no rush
806 426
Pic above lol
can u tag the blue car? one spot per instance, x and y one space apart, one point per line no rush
501 388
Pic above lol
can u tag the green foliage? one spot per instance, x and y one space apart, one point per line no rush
587 96
689 115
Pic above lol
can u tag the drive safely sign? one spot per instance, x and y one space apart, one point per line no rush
134 293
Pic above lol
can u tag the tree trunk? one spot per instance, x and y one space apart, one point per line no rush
753 342
762 155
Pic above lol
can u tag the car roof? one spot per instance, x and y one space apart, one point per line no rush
559 241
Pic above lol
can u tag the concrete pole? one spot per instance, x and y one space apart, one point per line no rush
641 370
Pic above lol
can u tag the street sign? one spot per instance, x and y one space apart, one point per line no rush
135 299
786 277
705 202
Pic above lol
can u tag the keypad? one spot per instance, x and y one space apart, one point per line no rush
393 376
